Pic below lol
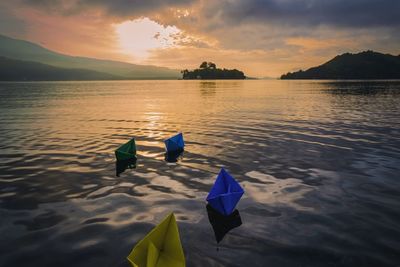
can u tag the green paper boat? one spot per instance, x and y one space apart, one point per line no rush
159 248
126 151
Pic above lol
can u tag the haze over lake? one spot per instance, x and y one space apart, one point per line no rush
319 162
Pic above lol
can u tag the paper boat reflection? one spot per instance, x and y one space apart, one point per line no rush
222 224
173 156
122 165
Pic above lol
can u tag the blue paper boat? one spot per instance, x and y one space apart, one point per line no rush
225 193
175 143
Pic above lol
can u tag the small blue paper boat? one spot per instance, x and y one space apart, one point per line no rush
175 143
225 193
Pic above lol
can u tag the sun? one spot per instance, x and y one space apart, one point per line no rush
138 37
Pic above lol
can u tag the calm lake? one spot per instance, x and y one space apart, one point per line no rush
319 162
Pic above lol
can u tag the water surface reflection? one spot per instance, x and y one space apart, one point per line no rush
319 162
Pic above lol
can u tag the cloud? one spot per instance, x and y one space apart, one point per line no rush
340 13
118 9
133 7
9 24
270 24
262 19
138 36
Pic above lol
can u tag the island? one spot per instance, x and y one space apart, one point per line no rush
209 71
364 65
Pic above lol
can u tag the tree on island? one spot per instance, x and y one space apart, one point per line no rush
203 65
209 70
208 65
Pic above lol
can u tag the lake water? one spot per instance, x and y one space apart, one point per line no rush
319 161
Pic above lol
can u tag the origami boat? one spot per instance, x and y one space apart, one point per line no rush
159 248
126 151
222 224
225 193
175 143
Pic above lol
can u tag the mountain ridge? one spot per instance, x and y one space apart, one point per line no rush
18 70
363 65
29 51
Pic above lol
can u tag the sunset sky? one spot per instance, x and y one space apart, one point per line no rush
264 38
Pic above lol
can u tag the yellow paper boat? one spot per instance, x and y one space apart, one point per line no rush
159 248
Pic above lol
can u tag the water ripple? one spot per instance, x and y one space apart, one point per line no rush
319 162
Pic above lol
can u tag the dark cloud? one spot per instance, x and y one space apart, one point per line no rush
268 24
42 3
340 13
133 7
114 8
9 24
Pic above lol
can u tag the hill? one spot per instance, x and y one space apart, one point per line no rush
17 70
27 51
364 65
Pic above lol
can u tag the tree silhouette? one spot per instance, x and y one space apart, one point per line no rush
203 65
184 72
212 65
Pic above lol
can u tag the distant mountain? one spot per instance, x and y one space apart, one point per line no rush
18 70
27 51
364 65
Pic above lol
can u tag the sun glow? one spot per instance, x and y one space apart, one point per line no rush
138 37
